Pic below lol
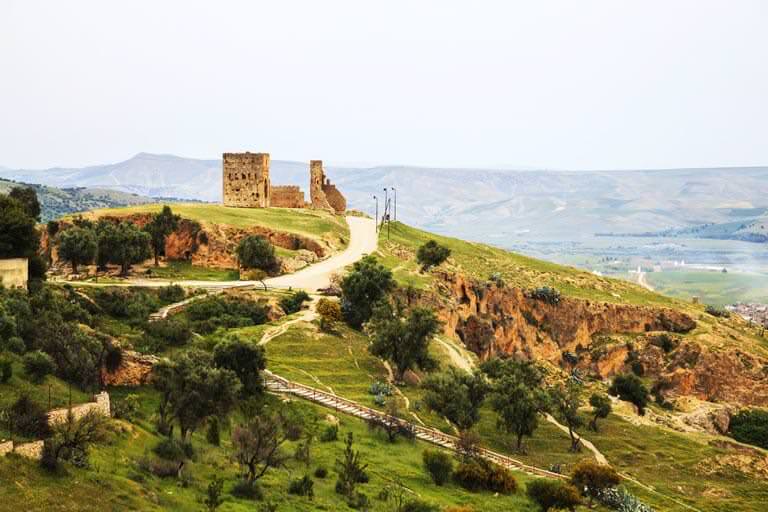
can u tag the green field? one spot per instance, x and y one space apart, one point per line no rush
711 287
310 223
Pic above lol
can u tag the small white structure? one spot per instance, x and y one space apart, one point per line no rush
14 272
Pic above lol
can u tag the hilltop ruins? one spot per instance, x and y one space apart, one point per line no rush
247 184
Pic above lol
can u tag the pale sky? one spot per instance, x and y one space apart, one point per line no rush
545 84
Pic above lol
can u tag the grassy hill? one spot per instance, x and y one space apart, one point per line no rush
311 223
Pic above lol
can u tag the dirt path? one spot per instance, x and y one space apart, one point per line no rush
305 315
599 457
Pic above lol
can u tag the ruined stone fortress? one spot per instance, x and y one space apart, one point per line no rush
247 185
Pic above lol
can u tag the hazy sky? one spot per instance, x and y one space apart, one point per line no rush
557 84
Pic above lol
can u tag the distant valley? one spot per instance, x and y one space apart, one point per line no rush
671 219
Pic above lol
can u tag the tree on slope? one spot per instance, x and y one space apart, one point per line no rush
77 246
123 244
161 225
565 401
456 395
256 252
403 339
362 289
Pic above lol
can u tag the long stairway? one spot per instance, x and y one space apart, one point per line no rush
277 384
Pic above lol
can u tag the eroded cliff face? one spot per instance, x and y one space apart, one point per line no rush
493 320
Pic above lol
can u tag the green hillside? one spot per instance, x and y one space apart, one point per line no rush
306 222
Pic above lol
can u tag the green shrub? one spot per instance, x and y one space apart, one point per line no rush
16 345
546 294
169 331
293 302
479 475
321 472
172 293
358 501
28 419
594 478
126 408
170 449
6 370
128 304
665 342
246 490
380 388
717 311
331 433
212 434
303 486
417 505
161 468
38 365
256 252
553 494
630 389
438 464
751 427
431 254
207 315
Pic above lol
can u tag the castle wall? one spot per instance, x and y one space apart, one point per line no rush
246 180
323 194
287 196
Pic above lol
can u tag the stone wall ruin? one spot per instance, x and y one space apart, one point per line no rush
246 184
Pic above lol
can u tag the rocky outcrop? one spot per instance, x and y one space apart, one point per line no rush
135 369
494 320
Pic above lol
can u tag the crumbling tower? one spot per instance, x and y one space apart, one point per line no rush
246 180
322 193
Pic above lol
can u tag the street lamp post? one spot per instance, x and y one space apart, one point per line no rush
394 190
377 212
386 205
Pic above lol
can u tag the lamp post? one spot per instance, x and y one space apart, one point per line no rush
386 205
377 212
394 191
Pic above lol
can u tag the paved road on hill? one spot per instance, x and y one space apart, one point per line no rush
362 241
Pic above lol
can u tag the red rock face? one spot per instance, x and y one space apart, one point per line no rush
492 320
495 321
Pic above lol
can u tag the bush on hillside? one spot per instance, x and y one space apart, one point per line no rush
630 388
594 478
27 418
6 370
38 365
751 427
246 490
257 252
438 464
168 332
553 494
546 294
431 254
717 311
207 315
418 505
481 475
303 486
172 293
330 313
292 303
128 304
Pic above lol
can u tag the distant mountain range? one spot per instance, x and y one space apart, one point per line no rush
55 202
479 204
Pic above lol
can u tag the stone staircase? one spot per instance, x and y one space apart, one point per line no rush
277 384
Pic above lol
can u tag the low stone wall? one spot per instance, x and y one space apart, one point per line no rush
100 405
6 447
33 450
287 196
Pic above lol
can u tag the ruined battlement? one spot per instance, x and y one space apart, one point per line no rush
246 184
246 180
